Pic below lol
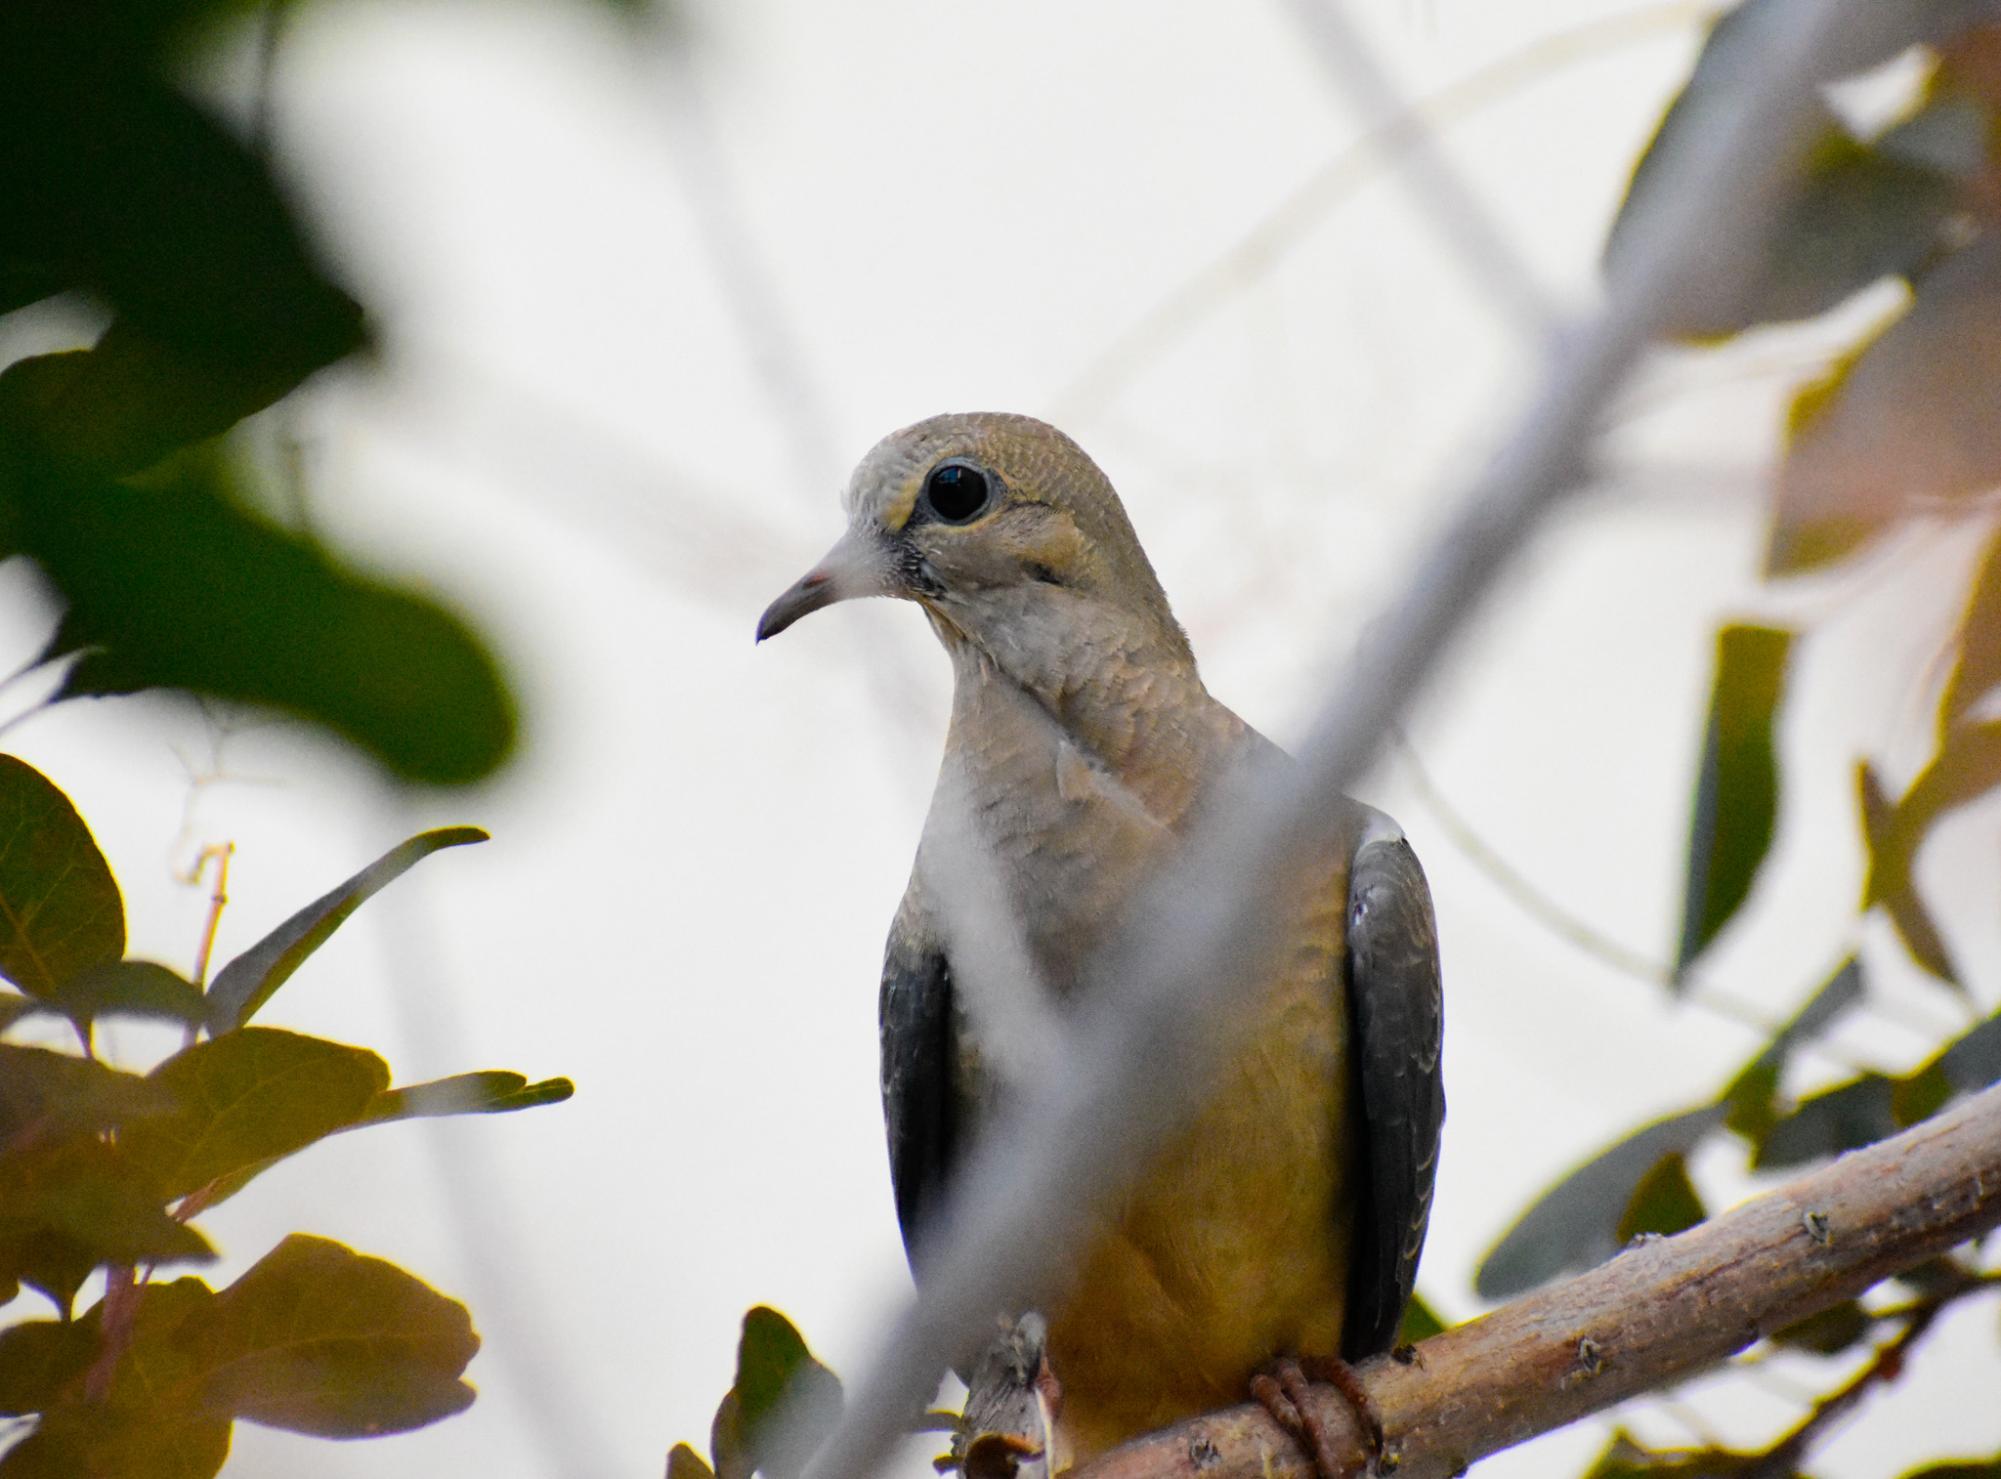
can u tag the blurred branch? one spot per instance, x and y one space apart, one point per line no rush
1153 1003
1459 218
1662 1311
1380 147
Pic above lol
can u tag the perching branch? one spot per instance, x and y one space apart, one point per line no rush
1659 1312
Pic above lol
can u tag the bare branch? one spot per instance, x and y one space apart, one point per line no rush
1658 1313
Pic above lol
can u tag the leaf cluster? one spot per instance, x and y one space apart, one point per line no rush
1903 426
102 1169
776 1375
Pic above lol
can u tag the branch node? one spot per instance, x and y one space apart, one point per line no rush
1591 1357
1818 1228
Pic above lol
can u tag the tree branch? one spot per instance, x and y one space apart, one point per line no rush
1659 1312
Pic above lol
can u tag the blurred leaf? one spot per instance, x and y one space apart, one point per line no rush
60 910
1623 1458
73 1205
1963 1468
1976 668
1967 767
1575 1224
39 1359
14 1006
45 1095
132 988
247 1097
492 1091
1909 418
772 1366
126 188
246 983
1873 1106
1736 797
1420 1322
317 1338
1664 1202
1828 1333
684 1463
176 585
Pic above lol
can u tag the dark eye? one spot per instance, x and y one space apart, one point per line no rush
957 494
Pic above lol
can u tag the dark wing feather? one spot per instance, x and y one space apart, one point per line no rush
1398 1011
920 1101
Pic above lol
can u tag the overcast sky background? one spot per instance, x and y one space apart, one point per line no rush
644 305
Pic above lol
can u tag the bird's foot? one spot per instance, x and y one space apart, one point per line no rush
1282 1391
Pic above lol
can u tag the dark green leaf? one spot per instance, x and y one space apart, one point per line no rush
132 988
1910 418
1828 1333
773 1367
1751 1096
1420 1322
1859 1112
39 1359
60 910
1963 1468
1625 1459
317 1338
177 585
489 1092
246 983
134 192
1874 1106
684 1463
49 1095
1736 796
1976 668
1575 1224
148 1422
246 1097
1665 1201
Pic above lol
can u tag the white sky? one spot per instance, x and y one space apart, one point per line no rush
929 208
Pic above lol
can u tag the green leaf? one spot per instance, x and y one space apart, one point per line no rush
1962 1468
176 584
1910 418
317 1338
1976 668
39 1360
247 1097
132 988
1750 1096
491 1091
1828 1333
1736 797
51 1095
773 1368
1576 1223
1420 1322
684 1463
135 193
1874 1106
60 910
1969 766
246 983
1664 1202
148 1422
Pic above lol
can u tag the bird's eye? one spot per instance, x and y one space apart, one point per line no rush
957 494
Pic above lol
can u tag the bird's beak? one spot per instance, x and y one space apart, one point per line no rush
857 565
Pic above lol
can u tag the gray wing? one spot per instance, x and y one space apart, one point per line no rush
1397 1011
920 1098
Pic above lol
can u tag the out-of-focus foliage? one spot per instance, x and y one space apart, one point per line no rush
774 1369
101 1170
1906 426
124 191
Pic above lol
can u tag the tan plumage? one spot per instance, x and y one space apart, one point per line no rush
1082 746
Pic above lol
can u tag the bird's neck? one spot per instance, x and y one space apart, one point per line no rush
1132 705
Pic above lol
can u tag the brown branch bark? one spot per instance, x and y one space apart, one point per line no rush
1659 1312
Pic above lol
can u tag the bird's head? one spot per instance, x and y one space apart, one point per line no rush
1003 530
